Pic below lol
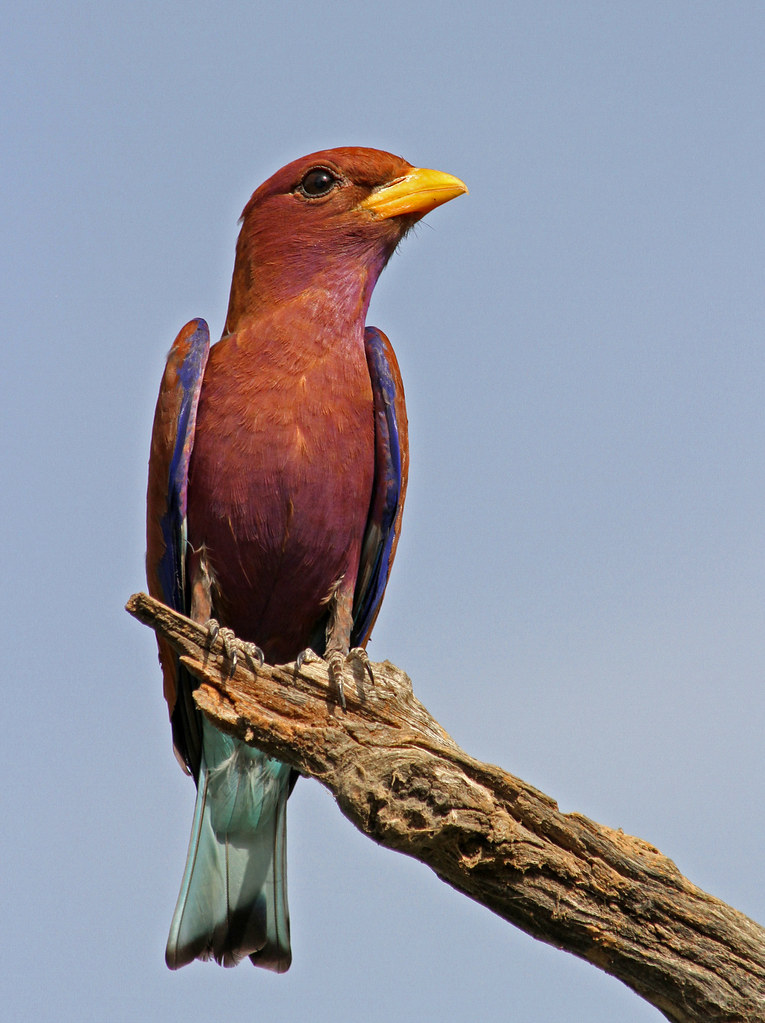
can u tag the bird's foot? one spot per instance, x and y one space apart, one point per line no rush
232 647
337 662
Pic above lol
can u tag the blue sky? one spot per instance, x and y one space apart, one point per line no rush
579 593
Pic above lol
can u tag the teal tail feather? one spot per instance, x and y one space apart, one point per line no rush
233 898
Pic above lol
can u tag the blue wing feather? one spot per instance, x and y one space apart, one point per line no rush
190 354
171 444
381 535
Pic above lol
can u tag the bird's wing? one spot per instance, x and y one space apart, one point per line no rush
171 443
389 489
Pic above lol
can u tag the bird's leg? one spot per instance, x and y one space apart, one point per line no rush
201 611
201 585
338 652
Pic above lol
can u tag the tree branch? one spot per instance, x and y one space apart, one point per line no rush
605 896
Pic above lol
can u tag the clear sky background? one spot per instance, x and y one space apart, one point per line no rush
579 593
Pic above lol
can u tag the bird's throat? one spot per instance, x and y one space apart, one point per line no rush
329 310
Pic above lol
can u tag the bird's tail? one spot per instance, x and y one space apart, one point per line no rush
233 898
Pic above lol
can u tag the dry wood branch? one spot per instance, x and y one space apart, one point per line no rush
609 898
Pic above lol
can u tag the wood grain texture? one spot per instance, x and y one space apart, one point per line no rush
605 896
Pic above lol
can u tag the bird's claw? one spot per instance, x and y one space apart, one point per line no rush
253 654
229 643
337 661
232 647
359 654
305 657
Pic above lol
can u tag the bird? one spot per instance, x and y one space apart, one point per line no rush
277 477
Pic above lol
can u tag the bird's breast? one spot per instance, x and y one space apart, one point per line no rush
280 486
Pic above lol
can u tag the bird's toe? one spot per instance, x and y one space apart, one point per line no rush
336 663
253 654
360 656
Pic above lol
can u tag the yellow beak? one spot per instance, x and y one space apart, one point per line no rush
419 191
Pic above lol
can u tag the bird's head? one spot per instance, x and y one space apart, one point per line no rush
331 219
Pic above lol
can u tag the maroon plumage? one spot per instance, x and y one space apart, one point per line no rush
276 487
280 482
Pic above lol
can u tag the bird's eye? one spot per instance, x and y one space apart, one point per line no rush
317 183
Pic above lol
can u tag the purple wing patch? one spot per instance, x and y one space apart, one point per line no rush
185 370
391 463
